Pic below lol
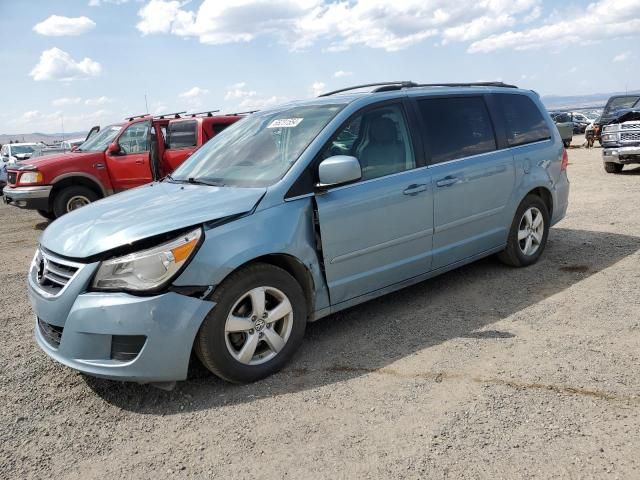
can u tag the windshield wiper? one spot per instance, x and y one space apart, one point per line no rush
205 182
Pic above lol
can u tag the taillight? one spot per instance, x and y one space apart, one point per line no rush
565 160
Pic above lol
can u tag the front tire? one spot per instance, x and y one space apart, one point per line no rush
528 233
49 215
72 198
611 167
256 326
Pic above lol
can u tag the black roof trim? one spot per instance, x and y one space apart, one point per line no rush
390 86
207 113
174 114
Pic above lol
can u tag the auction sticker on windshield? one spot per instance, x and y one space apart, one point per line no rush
285 123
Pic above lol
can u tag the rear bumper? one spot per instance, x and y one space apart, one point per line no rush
621 154
156 333
561 199
34 198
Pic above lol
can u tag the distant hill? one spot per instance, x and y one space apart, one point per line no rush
39 137
581 101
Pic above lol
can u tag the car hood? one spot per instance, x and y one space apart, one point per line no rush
141 213
43 162
626 115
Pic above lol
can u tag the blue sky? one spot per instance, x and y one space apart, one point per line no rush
86 62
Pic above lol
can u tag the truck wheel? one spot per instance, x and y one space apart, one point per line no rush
256 326
528 233
47 214
611 167
72 198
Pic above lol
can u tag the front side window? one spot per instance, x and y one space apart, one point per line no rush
524 122
258 150
379 139
135 139
457 127
182 134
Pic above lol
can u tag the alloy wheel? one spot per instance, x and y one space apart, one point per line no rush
531 231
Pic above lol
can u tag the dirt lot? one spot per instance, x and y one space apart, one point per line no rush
486 372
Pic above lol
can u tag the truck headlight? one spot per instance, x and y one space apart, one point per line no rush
148 269
608 137
30 177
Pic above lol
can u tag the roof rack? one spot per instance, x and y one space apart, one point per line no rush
390 86
132 117
175 115
249 112
208 113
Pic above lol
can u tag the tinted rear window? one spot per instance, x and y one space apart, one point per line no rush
523 119
457 127
182 134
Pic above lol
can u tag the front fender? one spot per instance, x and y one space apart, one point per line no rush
285 228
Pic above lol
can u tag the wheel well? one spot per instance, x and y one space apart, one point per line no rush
71 181
546 197
296 269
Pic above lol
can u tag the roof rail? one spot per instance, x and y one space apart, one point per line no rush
132 117
175 115
400 84
389 86
208 113
249 112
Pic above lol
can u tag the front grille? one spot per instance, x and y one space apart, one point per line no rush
630 137
51 333
52 274
629 126
11 177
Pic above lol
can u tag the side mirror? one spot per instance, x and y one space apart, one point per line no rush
113 149
338 170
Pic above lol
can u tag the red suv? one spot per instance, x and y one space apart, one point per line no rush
119 157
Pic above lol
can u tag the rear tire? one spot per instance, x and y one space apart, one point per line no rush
243 339
566 143
611 167
49 215
71 198
527 238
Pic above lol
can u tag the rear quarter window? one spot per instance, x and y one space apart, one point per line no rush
181 134
524 122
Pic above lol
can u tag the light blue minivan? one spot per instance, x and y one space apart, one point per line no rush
292 214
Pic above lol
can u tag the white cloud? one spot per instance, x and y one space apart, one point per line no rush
57 26
238 91
97 101
63 101
317 88
302 23
601 19
56 64
37 121
194 93
622 56
342 73
97 3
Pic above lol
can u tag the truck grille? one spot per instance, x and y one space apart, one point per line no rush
51 274
11 177
51 333
630 137
629 126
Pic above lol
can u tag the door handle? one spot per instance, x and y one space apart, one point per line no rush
447 181
415 189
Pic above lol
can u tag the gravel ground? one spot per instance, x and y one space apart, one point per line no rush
485 372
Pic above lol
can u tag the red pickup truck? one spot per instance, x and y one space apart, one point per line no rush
119 157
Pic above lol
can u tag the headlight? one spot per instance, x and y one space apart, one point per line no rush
30 177
148 269
608 137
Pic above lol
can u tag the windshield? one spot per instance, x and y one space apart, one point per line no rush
258 150
20 149
100 141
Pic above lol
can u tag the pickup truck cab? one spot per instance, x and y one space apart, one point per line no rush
119 157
